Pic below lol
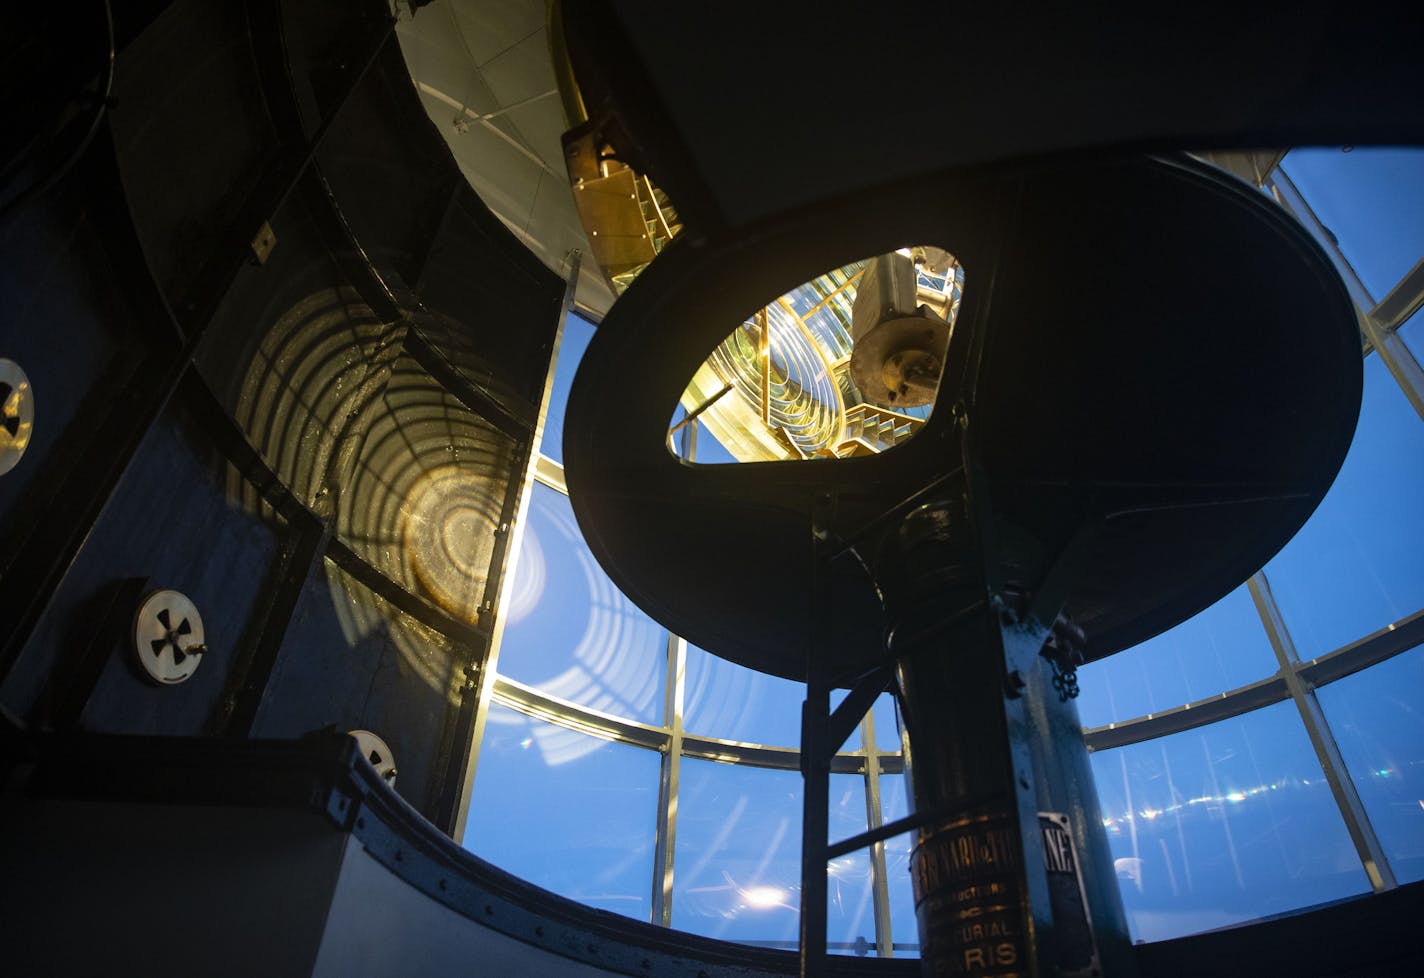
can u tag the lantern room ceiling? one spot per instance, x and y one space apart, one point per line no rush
485 75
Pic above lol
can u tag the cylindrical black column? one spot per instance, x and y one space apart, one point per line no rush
1011 873
967 870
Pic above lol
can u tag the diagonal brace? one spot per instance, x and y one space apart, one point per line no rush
846 717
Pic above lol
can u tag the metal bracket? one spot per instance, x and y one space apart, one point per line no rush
1062 648
263 242
1065 681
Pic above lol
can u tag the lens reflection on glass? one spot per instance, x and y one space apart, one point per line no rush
411 479
571 633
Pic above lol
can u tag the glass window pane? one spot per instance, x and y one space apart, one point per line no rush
1223 824
882 718
1412 332
709 449
904 931
566 811
723 699
1372 200
887 730
738 870
1378 723
1220 649
569 631
850 905
577 333
850 891
1357 565
847 807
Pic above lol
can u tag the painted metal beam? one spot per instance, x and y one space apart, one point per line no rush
1337 775
1189 716
874 819
816 748
510 558
1377 647
1373 649
669 782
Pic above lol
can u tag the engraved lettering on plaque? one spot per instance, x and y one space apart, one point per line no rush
966 880
1075 948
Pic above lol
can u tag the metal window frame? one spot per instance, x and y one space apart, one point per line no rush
1327 752
510 558
674 742
1379 321
874 818
669 781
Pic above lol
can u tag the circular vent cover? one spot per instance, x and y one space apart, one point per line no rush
17 414
168 637
378 753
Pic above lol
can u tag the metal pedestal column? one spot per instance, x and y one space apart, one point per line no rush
973 898
1012 875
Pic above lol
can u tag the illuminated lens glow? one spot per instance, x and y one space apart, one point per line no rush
763 897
